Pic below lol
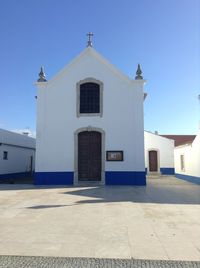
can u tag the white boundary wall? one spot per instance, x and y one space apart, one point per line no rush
191 154
19 148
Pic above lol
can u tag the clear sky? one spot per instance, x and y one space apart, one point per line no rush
162 35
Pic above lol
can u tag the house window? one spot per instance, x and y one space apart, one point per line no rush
5 155
182 161
89 97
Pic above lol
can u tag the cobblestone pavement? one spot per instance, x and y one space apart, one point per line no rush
54 262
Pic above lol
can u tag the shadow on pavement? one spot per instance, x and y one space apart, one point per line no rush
152 193
47 206
160 191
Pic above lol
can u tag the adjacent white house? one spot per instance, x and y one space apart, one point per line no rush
17 154
159 154
90 124
187 160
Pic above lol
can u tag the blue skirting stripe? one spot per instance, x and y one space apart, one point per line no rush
167 171
189 178
125 178
53 178
13 175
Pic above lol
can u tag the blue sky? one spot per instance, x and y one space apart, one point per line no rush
162 35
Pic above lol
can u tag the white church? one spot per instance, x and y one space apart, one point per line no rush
90 124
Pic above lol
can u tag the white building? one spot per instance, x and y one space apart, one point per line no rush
17 154
159 154
90 124
187 160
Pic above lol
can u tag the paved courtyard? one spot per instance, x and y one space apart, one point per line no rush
158 222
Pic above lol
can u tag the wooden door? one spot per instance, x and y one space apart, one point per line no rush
153 161
89 156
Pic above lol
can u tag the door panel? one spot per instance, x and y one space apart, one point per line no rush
153 161
89 156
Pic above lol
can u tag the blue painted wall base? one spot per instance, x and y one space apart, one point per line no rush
53 178
125 178
13 175
167 171
192 179
111 178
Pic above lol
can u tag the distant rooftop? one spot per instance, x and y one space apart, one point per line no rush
12 138
180 139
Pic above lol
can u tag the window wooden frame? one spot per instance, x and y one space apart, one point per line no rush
5 155
89 80
182 162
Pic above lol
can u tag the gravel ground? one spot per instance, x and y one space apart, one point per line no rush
54 262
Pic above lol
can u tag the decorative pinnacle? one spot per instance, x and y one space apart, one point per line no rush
138 73
42 77
89 42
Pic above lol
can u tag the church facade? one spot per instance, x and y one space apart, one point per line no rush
90 125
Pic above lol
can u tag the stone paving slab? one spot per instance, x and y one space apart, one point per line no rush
54 262
158 222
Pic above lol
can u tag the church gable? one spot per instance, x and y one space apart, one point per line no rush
87 59
107 82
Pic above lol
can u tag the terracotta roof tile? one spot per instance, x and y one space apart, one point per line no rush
180 139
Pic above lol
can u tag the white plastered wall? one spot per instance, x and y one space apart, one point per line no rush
191 154
19 159
20 148
164 147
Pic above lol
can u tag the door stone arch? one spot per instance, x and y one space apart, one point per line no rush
83 132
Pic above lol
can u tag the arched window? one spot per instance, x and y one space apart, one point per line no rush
89 97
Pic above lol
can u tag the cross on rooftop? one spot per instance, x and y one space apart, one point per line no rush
89 43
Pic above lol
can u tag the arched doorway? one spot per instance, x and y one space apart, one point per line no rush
89 156
153 161
83 157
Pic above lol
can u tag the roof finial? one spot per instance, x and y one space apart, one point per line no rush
89 43
138 73
42 77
